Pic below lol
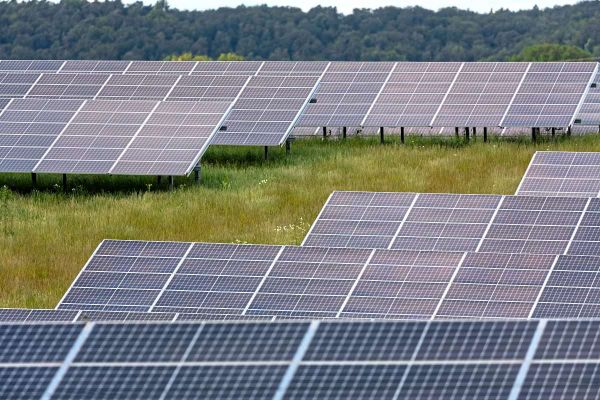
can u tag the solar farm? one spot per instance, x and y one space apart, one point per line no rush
484 287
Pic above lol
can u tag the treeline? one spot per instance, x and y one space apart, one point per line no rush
75 29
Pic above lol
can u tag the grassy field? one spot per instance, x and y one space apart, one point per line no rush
46 235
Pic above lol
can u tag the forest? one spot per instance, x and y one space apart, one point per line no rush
76 29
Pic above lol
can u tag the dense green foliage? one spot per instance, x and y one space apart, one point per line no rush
552 52
110 30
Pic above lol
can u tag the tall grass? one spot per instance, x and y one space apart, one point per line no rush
47 235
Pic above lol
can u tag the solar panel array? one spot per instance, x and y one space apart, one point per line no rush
301 360
117 137
589 112
453 222
222 281
255 103
556 173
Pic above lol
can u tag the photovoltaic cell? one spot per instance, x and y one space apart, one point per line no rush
556 173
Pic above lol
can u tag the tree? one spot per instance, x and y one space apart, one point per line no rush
552 52
201 57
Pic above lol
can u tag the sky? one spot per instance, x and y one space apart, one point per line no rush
346 6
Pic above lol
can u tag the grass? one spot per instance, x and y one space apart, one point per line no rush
46 235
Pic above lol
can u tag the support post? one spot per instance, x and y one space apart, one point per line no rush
171 183
266 153
381 135
344 132
553 132
158 180
197 171
569 130
456 131
485 134
324 132
402 134
33 179
288 146
64 182
467 133
533 135
474 132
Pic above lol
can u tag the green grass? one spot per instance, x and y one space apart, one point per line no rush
46 236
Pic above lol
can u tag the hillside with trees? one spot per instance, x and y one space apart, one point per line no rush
76 29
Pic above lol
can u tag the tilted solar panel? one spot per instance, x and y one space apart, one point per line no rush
545 359
266 110
220 281
561 173
100 136
549 94
452 222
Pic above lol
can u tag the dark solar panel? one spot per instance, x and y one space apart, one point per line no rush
345 359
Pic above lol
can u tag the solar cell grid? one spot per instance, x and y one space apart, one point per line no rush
220 281
571 174
266 109
549 95
100 136
412 95
450 222
400 359
345 94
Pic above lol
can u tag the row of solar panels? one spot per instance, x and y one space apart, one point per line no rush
174 281
546 359
157 118
386 255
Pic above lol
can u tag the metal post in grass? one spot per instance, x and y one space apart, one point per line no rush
456 132
197 171
288 146
266 153
485 133
344 132
381 135
474 132
533 135
171 182
324 132
402 134
158 180
64 182
553 132
467 134
33 179
569 130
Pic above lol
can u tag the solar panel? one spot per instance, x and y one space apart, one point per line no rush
346 93
101 136
105 86
452 222
413 94
266 110
442 359
549 94
192 281
559 173
589 110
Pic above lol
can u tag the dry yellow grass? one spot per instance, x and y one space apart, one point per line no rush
46 236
